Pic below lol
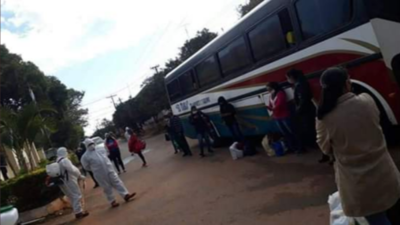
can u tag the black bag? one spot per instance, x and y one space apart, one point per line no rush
167 137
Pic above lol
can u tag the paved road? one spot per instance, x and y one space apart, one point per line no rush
216 190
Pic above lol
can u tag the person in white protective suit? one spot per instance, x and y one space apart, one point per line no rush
103 170
70 186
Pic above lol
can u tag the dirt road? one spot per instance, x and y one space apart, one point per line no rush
216 190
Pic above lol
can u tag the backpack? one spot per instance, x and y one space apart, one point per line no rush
55 175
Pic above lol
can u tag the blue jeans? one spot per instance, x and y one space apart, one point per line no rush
236 132
378 219
204 137
290 138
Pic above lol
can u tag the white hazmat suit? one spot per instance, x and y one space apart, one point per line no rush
103 170
70 187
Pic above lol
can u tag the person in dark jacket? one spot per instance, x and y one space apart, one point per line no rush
228 115
202 124
178 135
79 153
305 108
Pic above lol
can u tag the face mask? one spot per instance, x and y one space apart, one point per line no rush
92 148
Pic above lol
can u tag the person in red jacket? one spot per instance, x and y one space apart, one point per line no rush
281 114
136 146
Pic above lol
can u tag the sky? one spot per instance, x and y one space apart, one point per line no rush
107 47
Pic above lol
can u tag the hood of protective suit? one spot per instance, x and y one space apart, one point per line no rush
62 152
87 142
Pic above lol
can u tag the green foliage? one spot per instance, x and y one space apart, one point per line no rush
246 8
66 117
28 191
106 126
74 159
152 99
43 163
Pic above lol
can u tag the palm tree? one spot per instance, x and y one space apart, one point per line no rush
20 128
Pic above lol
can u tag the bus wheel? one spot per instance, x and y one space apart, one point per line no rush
387 126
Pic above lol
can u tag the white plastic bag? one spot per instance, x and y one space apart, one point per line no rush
337 215
235 152
265 143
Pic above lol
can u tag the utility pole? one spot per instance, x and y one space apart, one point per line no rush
112 99
155 68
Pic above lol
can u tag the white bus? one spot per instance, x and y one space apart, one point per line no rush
279 35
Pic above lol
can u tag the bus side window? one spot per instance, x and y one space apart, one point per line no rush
318 17
188 83
174 90
287 27
208 71
272 36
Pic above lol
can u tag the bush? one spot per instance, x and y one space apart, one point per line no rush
28 191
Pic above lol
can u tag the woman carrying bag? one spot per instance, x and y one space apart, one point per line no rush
348 126
136 146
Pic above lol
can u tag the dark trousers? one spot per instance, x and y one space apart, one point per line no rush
204 139
236 132
4 172
183 145
394 214
140 154
91 175
173 142
290 137
115 156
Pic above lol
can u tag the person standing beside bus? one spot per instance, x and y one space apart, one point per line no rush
305 109
348 126
112 146
228 115
176 129
281 114
201 123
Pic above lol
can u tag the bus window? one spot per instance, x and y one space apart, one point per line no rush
174 90
188 83
319 17
272 36
208 71
234 56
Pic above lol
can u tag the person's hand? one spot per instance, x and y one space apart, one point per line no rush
82 177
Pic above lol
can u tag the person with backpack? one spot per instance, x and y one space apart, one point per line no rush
112 146
202 124
97 161
68 177
136 146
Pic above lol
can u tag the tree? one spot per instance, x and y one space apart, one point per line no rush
20 127
106 126
246 8
193 45
139 109
18 77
